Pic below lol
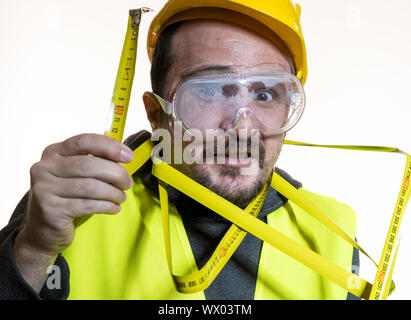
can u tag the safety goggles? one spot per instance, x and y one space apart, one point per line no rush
268 98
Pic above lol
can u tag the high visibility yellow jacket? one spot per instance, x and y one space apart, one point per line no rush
123 256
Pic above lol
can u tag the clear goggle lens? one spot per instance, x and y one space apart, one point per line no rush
271 102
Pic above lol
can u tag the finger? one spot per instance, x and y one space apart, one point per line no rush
97 145
87 188
92 167
80 207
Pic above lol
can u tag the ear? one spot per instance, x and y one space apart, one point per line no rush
153 109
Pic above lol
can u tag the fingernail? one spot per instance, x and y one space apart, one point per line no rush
126 156
130 183
124 197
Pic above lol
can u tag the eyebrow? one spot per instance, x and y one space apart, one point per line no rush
206 69
258 84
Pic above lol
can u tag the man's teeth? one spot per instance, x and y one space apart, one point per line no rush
236 155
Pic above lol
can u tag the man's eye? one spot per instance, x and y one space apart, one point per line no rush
265 95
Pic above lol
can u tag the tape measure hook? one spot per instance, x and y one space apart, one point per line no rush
146 9
136 15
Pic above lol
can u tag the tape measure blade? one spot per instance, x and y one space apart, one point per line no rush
202 279
261 230
124 82
393 230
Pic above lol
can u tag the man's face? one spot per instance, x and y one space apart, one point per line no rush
214 46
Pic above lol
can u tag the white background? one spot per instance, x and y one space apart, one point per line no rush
58 62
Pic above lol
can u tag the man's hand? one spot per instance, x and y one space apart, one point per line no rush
65 184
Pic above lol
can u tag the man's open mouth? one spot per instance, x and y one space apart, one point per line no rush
237 155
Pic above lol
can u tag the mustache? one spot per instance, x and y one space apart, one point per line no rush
235 147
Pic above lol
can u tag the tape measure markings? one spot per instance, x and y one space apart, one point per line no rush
392 234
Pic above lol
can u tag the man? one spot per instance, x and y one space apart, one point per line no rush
223 55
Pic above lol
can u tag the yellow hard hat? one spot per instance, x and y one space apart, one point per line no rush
281 16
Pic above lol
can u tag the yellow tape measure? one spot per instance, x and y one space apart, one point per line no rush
245 220
117 114
200 280
387 262
195 282
391 242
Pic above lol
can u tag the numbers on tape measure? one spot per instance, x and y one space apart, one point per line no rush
118 110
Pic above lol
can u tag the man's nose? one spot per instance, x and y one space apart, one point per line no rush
243 122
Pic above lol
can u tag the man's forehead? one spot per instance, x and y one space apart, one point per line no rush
205 39
210 46
203 70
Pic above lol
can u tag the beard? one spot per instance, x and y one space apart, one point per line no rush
229 182
241 196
